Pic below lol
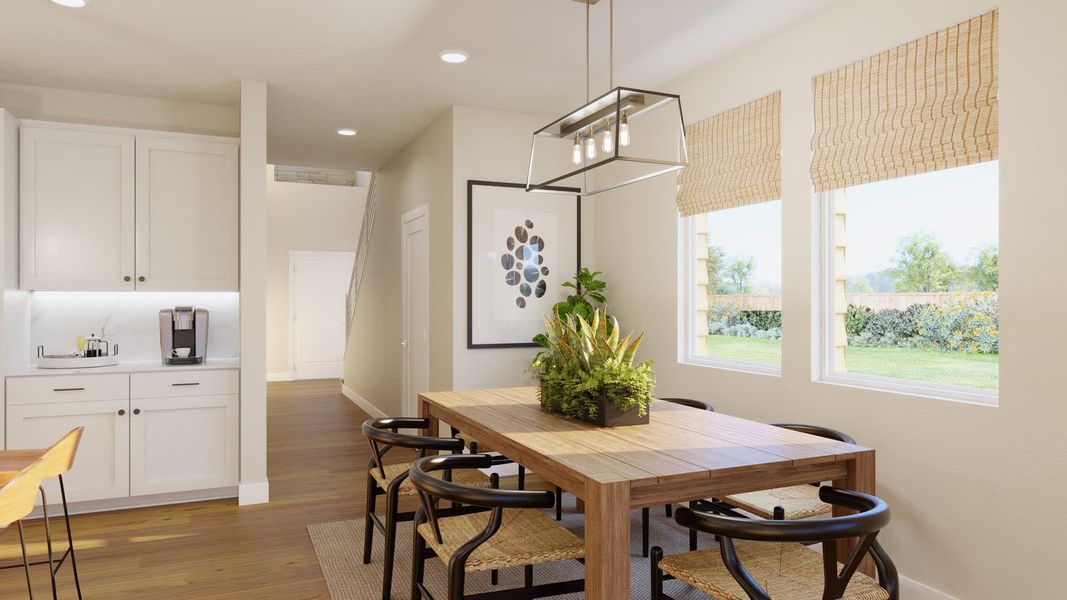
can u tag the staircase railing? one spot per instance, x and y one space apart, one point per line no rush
361 255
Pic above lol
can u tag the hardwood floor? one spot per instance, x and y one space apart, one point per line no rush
216 550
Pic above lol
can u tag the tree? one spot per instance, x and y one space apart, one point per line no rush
739 272
922 265
984 273
858 285
716 258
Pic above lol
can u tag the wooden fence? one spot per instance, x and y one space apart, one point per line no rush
899 301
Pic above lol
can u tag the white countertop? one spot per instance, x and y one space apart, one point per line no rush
146 366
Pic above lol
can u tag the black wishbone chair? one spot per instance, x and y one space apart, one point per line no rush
515 532
391 480
789 503
755 555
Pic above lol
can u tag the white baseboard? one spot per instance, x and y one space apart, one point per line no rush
128 502
362 402
257 492
913 590
283 376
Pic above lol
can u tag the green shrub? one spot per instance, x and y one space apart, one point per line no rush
856 318
967 323
762 319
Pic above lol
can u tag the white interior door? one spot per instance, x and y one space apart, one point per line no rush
415 282
318 282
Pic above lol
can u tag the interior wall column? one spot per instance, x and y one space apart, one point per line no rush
253 319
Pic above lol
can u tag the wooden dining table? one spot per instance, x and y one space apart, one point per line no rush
682 454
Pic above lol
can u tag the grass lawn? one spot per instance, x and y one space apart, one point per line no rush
969 370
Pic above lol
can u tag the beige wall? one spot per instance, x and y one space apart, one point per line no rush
973 489
302 216
54 104
491 145
419 174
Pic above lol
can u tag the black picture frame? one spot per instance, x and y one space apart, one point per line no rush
471 184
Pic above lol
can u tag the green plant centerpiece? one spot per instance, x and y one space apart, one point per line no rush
587 372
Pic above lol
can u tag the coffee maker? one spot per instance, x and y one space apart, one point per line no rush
183 335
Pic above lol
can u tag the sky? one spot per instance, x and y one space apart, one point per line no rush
958 206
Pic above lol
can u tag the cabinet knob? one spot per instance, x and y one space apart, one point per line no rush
127 278
136 411
122 413
141 278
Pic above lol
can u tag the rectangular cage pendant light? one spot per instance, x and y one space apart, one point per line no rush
625 136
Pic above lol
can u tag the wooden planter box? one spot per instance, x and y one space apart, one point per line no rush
609 415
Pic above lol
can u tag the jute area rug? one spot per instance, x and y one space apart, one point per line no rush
339 547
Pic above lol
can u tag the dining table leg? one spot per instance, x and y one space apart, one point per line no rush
860 478
607 540
424 412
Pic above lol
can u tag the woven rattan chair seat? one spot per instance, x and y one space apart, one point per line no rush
470 477
799 502
786 571
526 537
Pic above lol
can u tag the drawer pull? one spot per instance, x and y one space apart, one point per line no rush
185 384
78 389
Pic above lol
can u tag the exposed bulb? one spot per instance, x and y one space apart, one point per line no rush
590 147
576 155
624 131
607 143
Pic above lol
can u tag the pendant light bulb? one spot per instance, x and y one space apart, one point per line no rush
607 143
590 147
576 155
624 131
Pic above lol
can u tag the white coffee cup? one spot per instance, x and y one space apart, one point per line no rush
182 352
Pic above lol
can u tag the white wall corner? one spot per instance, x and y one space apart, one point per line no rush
362 402
257 492
253 290
281 376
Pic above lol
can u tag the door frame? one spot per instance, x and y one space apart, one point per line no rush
407 406
293 255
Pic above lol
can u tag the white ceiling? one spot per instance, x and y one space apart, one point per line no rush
369 64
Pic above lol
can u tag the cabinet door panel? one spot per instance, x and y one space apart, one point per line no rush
187 219
77 210
184 443
102 464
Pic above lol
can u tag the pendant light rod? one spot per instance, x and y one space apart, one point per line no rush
587 52
611 44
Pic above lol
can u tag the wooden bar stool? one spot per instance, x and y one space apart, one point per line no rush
16 502
54 461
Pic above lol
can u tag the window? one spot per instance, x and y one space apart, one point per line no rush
912 282
735 287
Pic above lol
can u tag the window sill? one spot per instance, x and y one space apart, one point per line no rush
740 366
922 389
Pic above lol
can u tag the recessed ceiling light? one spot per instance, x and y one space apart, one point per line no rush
71 3
347 131
454 56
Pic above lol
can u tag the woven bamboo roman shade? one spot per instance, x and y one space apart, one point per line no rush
735 158
927 105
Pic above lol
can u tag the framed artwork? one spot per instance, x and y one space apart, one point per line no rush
520 247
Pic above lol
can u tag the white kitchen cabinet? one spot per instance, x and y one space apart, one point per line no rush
183 443
76 209
102 465
156 432
187 219
119 209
